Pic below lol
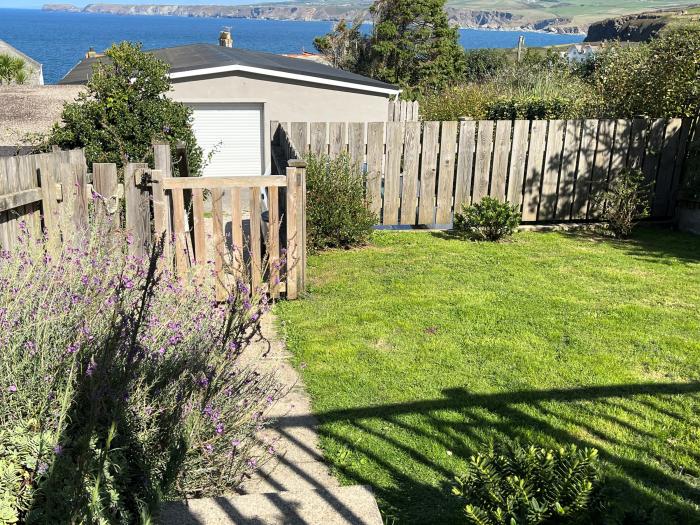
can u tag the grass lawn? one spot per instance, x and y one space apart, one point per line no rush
421 347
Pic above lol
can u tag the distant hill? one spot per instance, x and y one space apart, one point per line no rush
533 15
644 26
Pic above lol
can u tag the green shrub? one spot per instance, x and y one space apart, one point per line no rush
13 70
120 385
337 213
465 100
515 485
488 220
480 64
626 202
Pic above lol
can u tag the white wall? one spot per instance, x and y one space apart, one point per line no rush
284 100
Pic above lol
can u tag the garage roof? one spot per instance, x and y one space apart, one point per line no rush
208 59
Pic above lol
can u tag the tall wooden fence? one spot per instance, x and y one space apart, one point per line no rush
54 195
419 173
403 111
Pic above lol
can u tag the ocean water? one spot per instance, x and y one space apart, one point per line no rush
60 40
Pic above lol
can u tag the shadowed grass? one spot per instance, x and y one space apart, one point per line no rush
421 347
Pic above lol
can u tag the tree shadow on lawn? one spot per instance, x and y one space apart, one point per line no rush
637 490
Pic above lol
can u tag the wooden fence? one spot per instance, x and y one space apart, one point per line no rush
419 173
403 111
53 194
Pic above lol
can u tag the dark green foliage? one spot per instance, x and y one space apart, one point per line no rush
516 485
533 107
413 45
481 64
658 79
124 110
626 202
345 47
337 215
488 220
12 70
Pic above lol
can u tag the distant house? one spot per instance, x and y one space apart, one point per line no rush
28 110
34 69
236 94
580 52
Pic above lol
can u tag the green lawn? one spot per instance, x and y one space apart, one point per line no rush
421 347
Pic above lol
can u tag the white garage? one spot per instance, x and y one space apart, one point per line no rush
231 136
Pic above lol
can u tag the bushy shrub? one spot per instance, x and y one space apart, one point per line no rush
464 100
626 202
337 213
528 485
488 220
481 64
119 384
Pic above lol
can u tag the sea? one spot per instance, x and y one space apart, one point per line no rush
59 40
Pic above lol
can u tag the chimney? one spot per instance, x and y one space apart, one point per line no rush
225 38
91 53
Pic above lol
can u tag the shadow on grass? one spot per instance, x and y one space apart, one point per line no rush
637 491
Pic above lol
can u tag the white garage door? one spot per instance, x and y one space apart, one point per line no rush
233 132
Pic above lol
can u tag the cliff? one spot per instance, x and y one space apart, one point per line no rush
642 27
466 18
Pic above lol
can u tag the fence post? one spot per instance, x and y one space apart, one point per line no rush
162 161
49 202
296 210
105 184
138 213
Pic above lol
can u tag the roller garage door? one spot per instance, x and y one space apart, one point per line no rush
234 133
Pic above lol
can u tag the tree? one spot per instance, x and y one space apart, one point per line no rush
481 64
12 69
345 47
124 109
413 44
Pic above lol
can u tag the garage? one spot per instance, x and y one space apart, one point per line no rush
231 136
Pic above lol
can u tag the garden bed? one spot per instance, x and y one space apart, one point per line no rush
420 348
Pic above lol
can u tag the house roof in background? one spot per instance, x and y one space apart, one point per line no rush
208 59
31 109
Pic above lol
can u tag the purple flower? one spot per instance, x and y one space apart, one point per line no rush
12 388
236 442
252 462
42 468
219 428
90 369
58 450
208 449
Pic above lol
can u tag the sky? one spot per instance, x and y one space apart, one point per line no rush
35 4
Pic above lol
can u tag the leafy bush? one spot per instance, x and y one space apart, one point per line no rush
626 202
12 70
124 108
658 79
119 385
464 100
488 220
337 213
515 485
481 64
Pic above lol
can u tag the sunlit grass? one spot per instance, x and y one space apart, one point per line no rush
421 347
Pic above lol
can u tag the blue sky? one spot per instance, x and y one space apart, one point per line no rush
35 4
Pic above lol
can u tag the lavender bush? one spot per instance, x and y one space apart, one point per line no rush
120 385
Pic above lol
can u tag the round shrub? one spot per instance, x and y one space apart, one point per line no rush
488 220
626 202
337 213
120 384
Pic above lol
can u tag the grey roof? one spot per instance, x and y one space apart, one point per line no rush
204 56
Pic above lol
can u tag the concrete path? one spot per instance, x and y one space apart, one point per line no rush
294 488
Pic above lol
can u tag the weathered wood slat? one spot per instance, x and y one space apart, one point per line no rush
518 159
601 168
200 236
237 244
217 220
585 169
255 246
78 181
482 165
446 173
273 229
621 147
679 165
552 168
356 143
426 204
409 190
136 209
10 201
652 157
501 156
638 142
535 163
465 163
392 172
293 235
319 141
300 137
375 158
48 178
567 176
224 182
664 181
179 232
337 138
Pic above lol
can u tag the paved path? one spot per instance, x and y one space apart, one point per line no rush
296 487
